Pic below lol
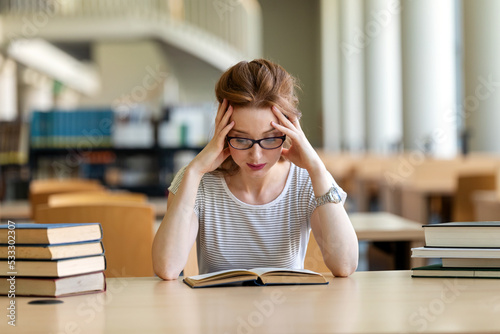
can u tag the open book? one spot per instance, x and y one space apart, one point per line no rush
259 276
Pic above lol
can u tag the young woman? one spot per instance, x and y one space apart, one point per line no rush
251 197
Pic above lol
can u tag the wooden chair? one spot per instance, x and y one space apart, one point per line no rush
314 258
40 190
463 206
95 197
486 205
127 233
191 267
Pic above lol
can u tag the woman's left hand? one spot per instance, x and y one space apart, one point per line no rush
301 153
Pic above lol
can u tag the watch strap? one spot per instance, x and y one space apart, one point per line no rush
332 196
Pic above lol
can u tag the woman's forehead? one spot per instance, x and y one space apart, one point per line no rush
249 120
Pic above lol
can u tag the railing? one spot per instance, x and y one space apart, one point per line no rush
237 22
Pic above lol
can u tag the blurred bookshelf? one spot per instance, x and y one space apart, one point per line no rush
139 155
14 172
136 155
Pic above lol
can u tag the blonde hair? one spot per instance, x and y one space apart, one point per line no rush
257 84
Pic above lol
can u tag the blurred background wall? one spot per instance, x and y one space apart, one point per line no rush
102 87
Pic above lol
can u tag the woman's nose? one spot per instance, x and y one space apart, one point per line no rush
256 150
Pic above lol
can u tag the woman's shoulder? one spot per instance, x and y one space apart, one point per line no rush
299 173
210 178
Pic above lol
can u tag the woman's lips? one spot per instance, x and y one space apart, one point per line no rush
256 167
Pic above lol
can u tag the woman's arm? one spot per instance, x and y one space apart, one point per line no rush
177 231
331 226
179 227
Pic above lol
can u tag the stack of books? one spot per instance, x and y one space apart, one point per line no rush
466 249
51 260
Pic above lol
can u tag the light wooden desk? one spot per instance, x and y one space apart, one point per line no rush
387 227
384 226
366 302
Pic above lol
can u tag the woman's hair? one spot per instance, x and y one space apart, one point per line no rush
257 84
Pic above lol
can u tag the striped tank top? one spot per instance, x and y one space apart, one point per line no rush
236 235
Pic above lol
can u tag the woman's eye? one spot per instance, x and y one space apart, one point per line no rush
241 140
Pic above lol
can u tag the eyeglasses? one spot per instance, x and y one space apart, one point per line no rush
247 143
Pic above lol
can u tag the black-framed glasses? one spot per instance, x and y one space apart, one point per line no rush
270 143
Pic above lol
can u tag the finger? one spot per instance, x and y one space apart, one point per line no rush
225 119
223 133
282 117
287 131
220 111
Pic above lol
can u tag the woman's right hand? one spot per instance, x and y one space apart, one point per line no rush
214 153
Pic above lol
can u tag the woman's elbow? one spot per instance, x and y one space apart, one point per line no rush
344 270
165 273
167 276
163 270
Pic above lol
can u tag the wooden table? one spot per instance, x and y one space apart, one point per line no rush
387 227
378 227
365 302
384 226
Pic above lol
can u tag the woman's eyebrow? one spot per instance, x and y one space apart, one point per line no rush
246 133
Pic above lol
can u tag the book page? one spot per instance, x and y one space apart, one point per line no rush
216 274
262 271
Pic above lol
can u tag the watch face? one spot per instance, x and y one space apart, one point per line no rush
336 197
332 196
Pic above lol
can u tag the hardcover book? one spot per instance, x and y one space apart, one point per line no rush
257 276
27 233
55 287
455 252
53 268
437 270
53 252
471 262
463 234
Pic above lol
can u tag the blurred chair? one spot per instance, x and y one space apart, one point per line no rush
95 197
463 205
40 190
127 232
486 205
191 267
314 258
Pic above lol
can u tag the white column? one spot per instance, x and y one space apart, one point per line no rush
384 120
8 89
481 103
330 74
428 59
352 45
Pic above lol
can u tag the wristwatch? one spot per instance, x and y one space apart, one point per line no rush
332 196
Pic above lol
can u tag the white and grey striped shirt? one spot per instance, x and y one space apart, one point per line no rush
236 235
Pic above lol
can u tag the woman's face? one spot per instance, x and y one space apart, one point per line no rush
254 123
